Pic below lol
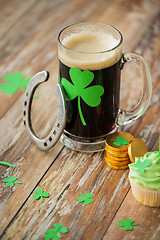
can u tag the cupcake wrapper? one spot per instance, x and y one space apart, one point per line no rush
145 195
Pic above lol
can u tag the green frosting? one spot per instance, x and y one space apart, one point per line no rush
151 176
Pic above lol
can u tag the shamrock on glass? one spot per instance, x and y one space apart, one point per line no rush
88 90
90 95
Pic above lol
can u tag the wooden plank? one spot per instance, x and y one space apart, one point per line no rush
12 11
14 115
27 53
13 198
70 174
16 148
18 104
29 163
17 116
13 121
76 168
147 217
31 55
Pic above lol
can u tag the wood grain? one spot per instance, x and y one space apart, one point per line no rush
70 174
28 43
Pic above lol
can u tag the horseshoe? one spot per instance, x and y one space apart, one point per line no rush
59 126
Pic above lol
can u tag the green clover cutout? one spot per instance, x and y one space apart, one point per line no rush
86 199
119 141
6 164
127 224
10 181
90 95
142 165
13 82
39 193
54 233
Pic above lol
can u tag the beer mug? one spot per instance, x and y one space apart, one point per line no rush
88 88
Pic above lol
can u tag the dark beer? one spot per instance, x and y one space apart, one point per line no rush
101 119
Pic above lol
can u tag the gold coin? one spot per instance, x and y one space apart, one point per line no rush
116 151
117 164
119 154
137 148
117 157
115 167
113 138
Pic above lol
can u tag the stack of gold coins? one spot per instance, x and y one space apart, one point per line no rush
122 148
116 154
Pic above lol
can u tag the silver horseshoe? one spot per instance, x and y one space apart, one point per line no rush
59 126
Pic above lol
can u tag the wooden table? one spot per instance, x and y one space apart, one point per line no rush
28 44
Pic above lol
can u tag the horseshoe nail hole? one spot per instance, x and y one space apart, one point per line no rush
24 113
58 125
54 132
24 122
45 144
50 139
27 94
25 103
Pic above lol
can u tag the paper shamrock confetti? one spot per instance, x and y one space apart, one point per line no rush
119 141
86 199
10 181
127 224
6 164
142 165
90 95
54 233
13 82
39 193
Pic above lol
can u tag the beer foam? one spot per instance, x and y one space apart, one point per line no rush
90 50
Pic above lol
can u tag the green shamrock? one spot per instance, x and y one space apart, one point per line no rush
39 193
6 163
142 165
127 224
14 81
90 95
86 199
119 141
54 233
10 181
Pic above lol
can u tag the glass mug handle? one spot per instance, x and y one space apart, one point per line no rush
125 117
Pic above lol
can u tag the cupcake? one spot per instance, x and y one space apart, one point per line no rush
144 177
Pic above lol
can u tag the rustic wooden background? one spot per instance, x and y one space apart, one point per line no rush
28 43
